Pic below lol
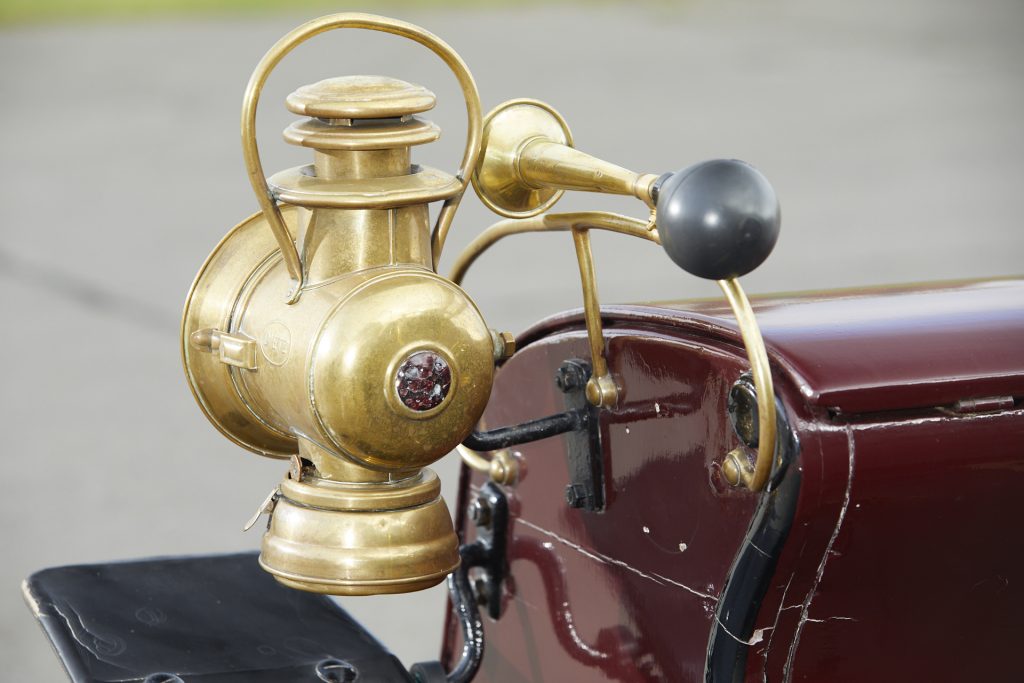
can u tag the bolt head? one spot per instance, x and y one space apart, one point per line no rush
734 466
480 512
575 495
570 377
507 344
504 468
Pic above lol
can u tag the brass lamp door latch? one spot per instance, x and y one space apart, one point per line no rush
235 350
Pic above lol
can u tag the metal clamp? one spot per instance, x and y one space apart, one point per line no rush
489 553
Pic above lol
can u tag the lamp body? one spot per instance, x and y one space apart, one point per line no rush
378 367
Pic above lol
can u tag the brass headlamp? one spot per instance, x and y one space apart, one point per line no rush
319 330
338 345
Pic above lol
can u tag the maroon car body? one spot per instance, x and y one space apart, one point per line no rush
895 545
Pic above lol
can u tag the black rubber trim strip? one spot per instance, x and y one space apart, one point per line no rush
754 566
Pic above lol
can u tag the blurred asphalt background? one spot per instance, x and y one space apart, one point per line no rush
892 131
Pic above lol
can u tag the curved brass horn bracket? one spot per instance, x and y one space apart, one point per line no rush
737 468
601 389
527 163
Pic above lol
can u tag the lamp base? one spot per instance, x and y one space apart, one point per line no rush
346 538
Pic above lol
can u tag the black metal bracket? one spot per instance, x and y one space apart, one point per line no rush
586 488
753 568
467 612
533 430
489 552
580 422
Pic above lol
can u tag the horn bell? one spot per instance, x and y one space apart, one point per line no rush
528 161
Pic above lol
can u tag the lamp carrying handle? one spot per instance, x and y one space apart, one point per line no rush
371 22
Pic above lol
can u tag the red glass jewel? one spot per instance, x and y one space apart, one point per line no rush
423 380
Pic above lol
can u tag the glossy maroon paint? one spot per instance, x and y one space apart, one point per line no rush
892 348
904 561
924 577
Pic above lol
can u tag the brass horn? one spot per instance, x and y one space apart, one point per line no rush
717 220
528 161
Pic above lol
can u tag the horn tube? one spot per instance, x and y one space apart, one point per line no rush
529 161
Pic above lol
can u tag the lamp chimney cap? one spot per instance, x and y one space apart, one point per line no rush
360 97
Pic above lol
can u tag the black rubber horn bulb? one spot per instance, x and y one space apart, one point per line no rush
717 219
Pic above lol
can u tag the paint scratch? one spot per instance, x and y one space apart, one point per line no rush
768 645
805 607
755 638
754 546
605 559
